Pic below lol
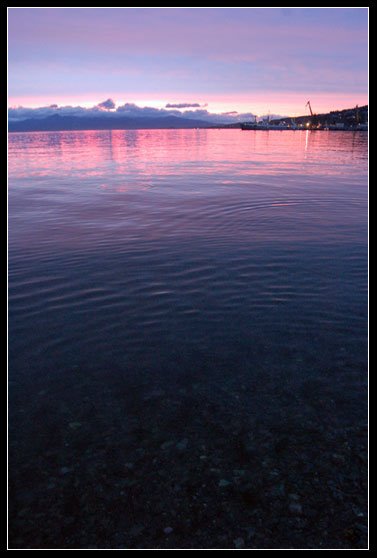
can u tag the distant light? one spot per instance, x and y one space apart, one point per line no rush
308 124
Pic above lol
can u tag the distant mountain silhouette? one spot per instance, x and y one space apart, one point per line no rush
57 122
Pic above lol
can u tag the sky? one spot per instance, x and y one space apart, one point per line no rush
219 60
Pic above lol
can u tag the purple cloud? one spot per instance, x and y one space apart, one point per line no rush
182 105
108 104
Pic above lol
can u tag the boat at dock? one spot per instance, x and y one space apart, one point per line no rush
264 126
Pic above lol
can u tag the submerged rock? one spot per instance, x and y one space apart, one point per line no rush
166 445
168 530
295 508
75 425
223 483
182 445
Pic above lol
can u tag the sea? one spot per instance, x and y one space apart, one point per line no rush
188 339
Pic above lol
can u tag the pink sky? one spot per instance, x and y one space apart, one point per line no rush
247 60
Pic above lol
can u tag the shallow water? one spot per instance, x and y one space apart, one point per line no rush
184 304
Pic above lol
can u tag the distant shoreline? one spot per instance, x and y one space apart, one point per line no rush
344 119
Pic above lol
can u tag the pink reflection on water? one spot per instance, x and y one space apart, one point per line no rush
96 189
151 154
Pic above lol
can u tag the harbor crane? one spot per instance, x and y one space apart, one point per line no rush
310 108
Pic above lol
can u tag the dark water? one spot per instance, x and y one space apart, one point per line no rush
187 308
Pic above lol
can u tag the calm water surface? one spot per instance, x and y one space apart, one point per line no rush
183 305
